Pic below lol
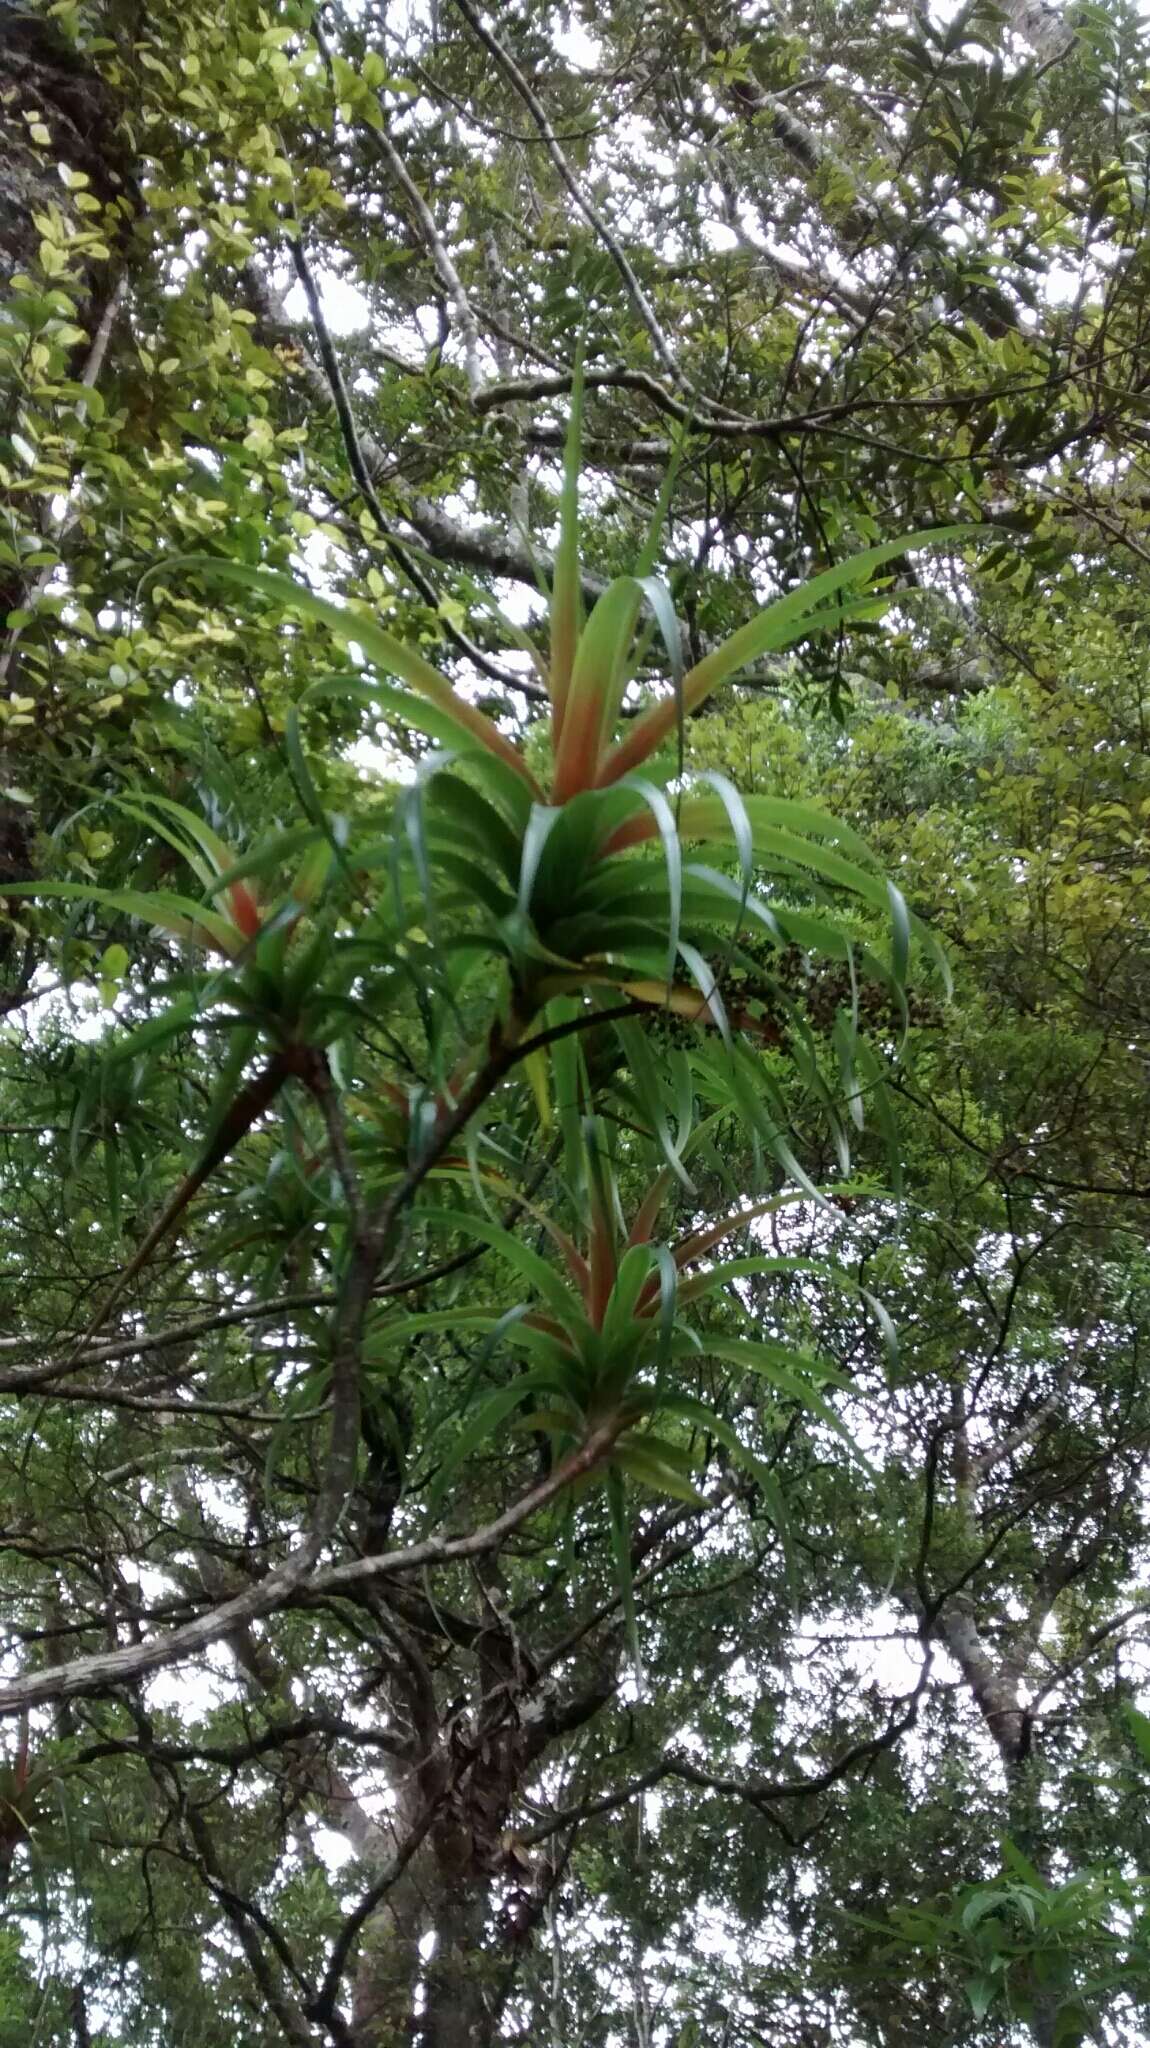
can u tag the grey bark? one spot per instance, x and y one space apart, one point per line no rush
997 1677
458 2012
1042 27
388 1969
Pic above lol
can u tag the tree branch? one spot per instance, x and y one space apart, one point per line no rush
585 204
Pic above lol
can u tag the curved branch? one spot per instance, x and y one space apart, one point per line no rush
449 276
585 204
759 1793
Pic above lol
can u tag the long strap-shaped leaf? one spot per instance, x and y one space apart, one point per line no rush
775 845
439 723
566 589
701 1241
599 676
180 915
380 646
806 610
541 1277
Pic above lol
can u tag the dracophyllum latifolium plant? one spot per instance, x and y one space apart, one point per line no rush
561 925
606 1340
271 991
617 874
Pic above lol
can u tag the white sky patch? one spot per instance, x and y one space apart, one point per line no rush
334 1848
575 44
346 309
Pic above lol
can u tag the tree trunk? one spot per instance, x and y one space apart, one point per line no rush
398 2001
388 1972
44 84
1042 27
54 111
459 2011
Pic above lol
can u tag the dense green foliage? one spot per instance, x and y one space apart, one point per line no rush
574 1000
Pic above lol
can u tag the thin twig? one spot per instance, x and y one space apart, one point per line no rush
322 1090
374 1244
465 320
585 204
362 474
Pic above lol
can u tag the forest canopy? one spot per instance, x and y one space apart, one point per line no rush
574 1024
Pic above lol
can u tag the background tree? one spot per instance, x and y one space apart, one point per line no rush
478 1566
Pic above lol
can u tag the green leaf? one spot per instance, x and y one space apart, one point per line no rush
540 1277
742 833
596 679
647 1076
380 646
466 810
301 774
540 825
228 1085
1021 1866
790 618
194 840
776 1363
708 1235
1138 1726
482 1424
267 858
624 1579
567 593
600 674
640 1458
634 1268
178 915
665 824
706 1419
982 1992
